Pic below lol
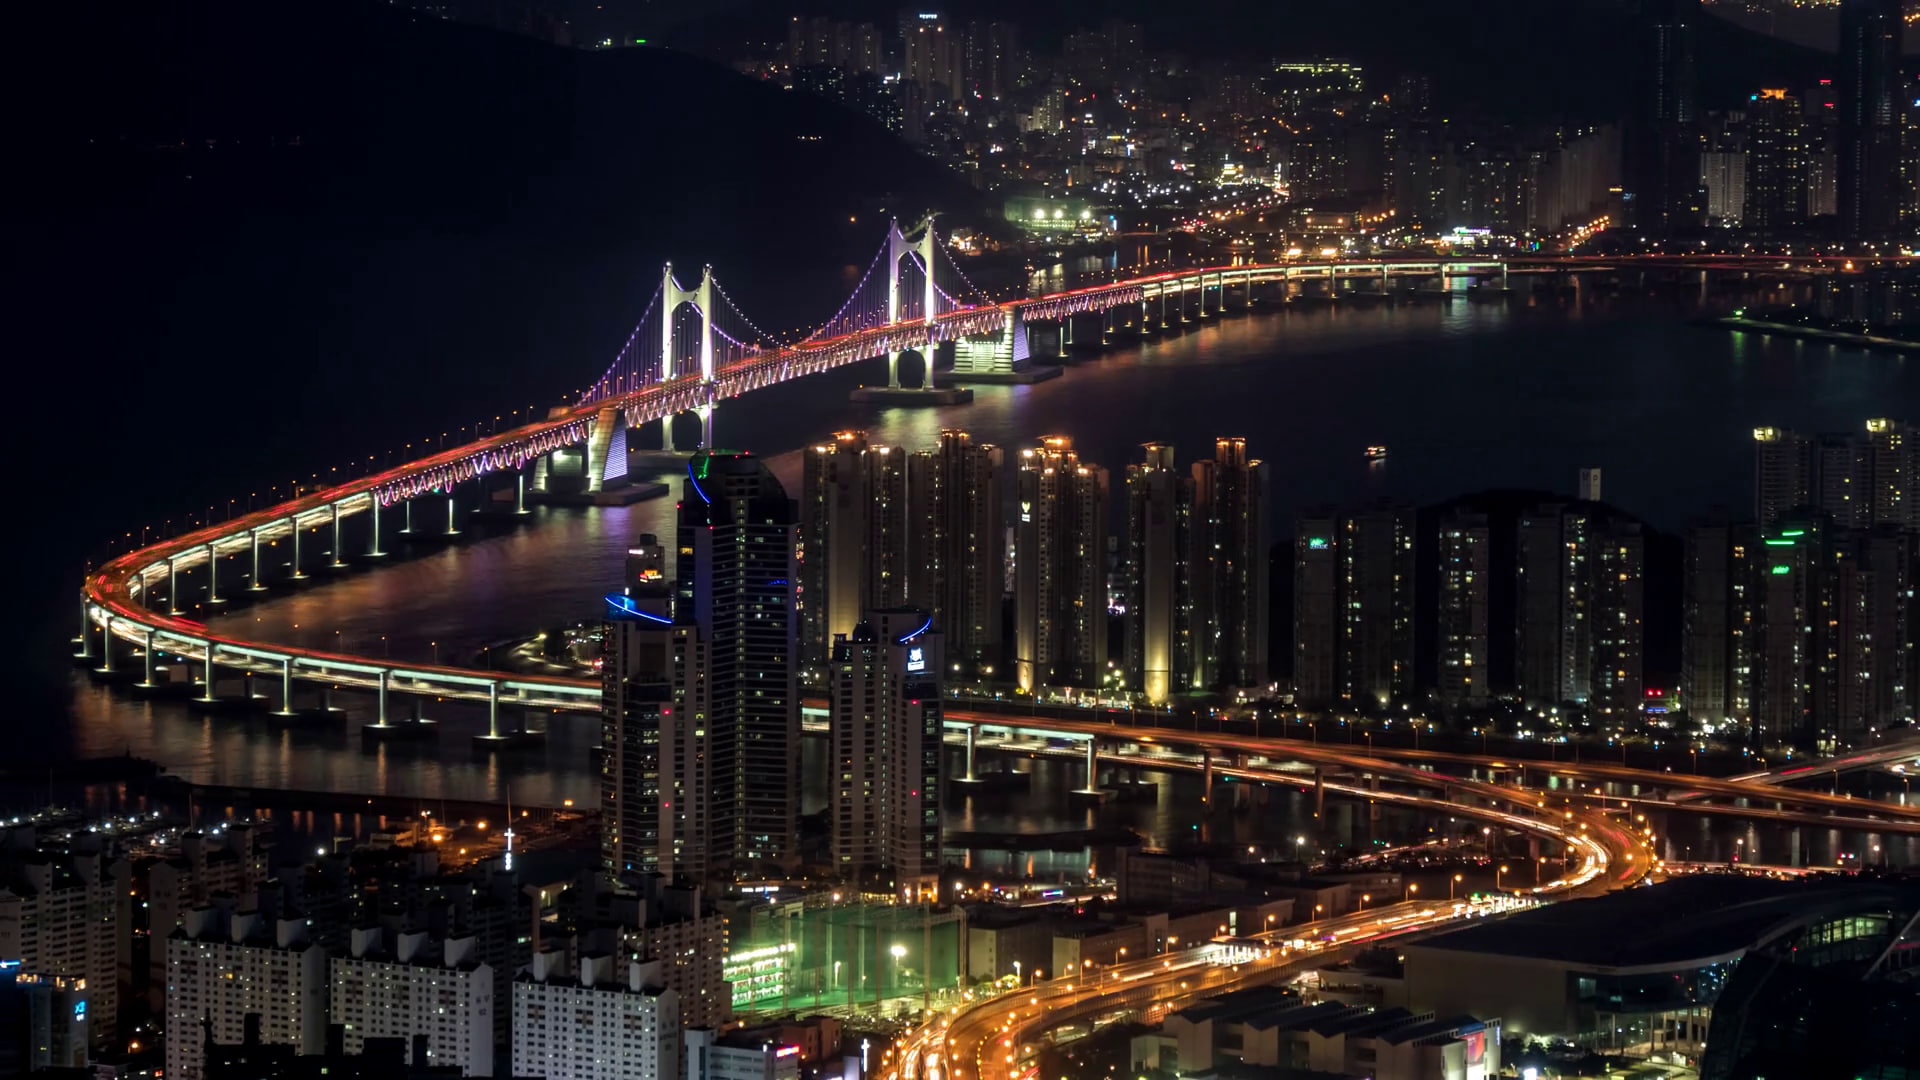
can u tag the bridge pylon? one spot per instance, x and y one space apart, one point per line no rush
923 249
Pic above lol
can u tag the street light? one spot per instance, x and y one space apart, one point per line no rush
1364 897
1411 889
1496 878
1451 885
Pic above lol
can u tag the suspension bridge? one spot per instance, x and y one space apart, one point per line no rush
691 349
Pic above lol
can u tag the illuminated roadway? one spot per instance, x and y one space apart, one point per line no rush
992 1038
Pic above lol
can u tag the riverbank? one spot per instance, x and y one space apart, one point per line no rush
1814 333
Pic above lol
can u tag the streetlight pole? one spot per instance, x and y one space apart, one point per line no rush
1451 885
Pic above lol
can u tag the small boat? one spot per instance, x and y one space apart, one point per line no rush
1376 453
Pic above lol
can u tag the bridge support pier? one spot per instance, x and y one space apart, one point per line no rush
213 575
373 541
520 493
106 646
453 508
254 585
380 712
406 521
1146 324
666 433
173 594
599 444
286 688
146 679
293 527
1093 769
973 734
705 413
85 638
1206 776
206 677
1319 792
338 551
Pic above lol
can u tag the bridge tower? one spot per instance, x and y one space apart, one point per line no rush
672 295
923 249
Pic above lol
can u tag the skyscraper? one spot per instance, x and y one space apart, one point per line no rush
1230 572
1782 473
1465 553
1158 620
1663 153
655 810
1060 594
956 543
884 730
733 579
1316 621
1717 631
1888 460
1792 606
1870 107
1777 164
1580 574
1376 549
853 539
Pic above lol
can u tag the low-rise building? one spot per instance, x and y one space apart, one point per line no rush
1270 1027
738 1056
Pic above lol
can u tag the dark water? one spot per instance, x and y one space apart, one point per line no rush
1468 396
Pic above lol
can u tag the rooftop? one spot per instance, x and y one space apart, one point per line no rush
1684 920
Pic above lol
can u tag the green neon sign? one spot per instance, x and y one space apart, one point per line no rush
1783 570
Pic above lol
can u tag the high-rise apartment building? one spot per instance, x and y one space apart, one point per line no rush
1871 100
1316 619
1230 568
1792 605
1873 632
1464 562
229 859
854 531
610 1022
1580 595
1159 615
1718 629
1377 570
956 545
411 985
734 576
1888 463
65 913
883 728
1060 594
1663 163
1777 164
1782 473
656 746
223 967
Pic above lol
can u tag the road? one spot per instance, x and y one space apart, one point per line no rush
993 1037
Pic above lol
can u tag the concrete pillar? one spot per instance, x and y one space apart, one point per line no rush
453 527
520 492
493 710
406 521
1106 327
337 549
705 413
213 575
1146 326
206 673
373 541
1093 765
85 640
293 527
286 687
1066 334
1319 792
666 434
173 592
106 644
147 679
253 583
973 732
893 369
599 441
381 712
1206 776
